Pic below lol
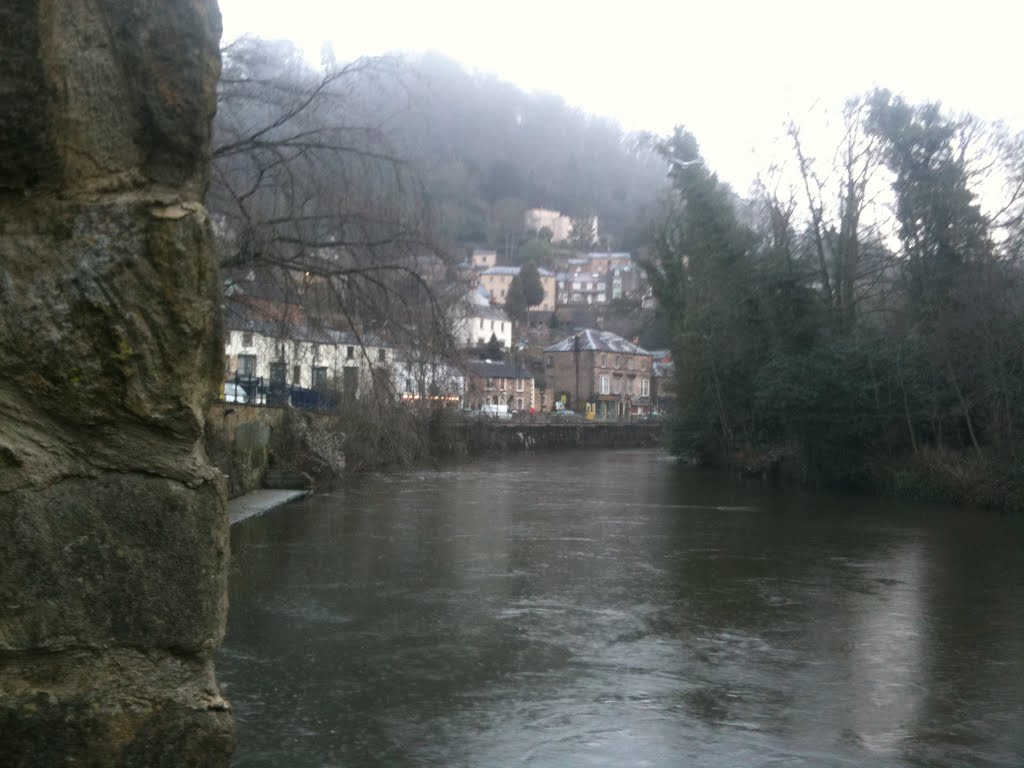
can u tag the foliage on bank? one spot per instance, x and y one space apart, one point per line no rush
865 327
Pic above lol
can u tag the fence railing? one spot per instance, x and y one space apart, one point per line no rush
259 390
262 391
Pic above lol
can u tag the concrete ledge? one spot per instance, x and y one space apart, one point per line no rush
257 502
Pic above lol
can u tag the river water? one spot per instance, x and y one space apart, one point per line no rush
612 608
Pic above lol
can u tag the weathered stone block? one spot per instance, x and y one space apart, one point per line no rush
111 359
121 708
103 95
116 560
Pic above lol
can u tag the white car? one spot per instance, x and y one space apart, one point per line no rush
233 393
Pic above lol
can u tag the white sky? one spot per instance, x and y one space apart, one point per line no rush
731 72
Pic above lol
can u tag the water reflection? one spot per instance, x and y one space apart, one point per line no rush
611 608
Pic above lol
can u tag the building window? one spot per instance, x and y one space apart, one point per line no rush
319 377
519 403
618 361
519 385
481 323
382 356
617 386
549 360
643 363
350 353
247 366
489 384
503 327
576 285
492 325
645 387
296 374
247 339
604 359
604 385
629 364
629 386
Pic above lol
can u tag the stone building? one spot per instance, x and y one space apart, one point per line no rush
601 373
499 383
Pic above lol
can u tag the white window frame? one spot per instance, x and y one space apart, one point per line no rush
605 383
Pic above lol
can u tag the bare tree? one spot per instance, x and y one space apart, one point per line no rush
308 192
836 205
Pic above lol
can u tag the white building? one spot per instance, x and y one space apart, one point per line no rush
479 320
560 225
277 354
426 380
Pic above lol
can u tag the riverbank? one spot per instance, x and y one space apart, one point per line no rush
248 442
929 475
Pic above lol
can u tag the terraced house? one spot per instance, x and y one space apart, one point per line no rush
264 355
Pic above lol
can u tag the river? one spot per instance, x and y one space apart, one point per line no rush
612 608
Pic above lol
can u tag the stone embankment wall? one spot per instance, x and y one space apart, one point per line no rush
239 440
484 437
114 553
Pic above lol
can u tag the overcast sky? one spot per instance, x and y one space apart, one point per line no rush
730 71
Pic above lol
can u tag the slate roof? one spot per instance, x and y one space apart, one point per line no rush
488 312
591 340
514 271
235 319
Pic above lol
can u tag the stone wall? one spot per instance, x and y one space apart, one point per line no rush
486 437
113 558
239 440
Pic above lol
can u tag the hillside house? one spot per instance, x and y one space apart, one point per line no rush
478 320
497 280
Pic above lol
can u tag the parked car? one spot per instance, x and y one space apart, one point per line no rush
235 393
499 412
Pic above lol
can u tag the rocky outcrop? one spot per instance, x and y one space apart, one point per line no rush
113 557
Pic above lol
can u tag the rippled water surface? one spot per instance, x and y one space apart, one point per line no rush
615 609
